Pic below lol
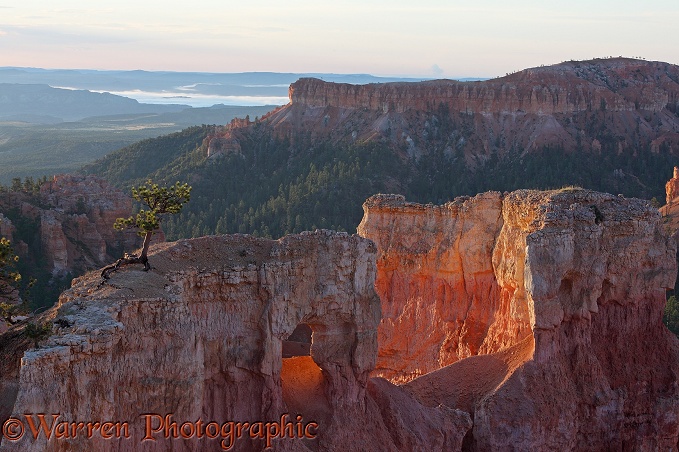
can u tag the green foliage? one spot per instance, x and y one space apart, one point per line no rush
38 331
9 276
160 201
270 190
80 207
142 160
277 186
30 149
671 316
8 310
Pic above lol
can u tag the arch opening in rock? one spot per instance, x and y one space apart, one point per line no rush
302 381
299 342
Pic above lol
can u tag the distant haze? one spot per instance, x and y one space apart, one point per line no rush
195 89
428 38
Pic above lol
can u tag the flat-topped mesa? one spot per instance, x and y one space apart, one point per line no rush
200 337
615 85
556 300
634 101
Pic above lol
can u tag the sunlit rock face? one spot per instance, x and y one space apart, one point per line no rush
672 187
441 299
555 299
200 337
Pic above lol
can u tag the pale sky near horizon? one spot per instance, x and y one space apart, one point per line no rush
483 38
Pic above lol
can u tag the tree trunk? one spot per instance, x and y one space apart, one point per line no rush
131 259
144 251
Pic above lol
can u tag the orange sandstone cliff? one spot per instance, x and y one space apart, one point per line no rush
520 321
555 299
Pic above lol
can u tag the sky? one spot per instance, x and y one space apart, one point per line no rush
423 38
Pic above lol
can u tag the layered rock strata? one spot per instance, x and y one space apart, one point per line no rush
555 299
532 321
200 337
565 88
604 105
441 298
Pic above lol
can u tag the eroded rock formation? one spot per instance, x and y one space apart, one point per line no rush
555 299
565 88
73 216
200 337
635 101
85 208
538 315
437 281
6 227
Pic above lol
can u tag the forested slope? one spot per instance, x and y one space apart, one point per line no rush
271 187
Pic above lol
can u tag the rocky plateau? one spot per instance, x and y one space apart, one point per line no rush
602 105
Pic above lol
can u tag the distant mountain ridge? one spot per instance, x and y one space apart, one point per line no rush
196 88
34 102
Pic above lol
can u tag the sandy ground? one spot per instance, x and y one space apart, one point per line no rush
463 383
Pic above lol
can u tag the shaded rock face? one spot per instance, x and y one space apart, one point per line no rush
224 140
72 219
77 232
558 296
635 101
6 227
200 337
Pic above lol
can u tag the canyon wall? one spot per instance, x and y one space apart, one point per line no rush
672 187
566 88
611 105
558 296
69 223
437 282
77 230
200 337
512 321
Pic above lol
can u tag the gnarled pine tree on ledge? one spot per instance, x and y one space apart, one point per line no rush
160 201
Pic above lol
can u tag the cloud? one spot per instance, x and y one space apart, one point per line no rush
436 70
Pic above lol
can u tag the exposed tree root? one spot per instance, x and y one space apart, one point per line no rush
126 260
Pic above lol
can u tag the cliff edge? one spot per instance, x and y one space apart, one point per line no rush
540 313
200 338
602 105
